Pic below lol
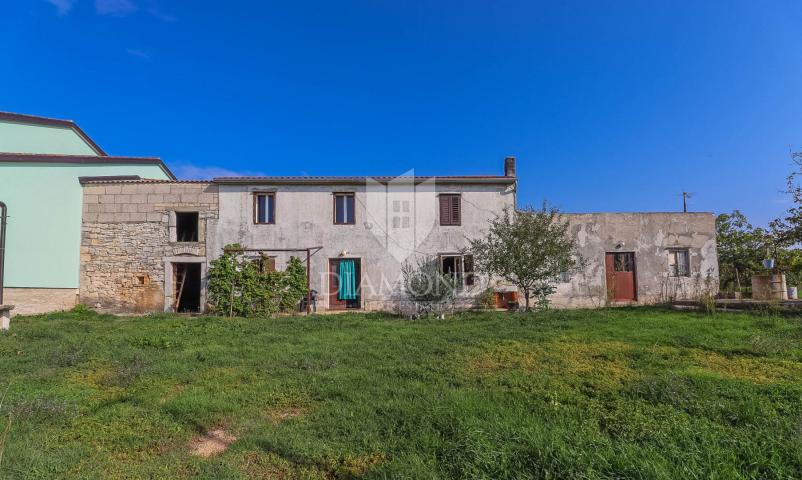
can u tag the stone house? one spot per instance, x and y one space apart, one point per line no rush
146 245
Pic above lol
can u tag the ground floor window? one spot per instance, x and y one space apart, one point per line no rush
459 267
679 264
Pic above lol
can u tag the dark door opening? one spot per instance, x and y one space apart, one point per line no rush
187 290
621 276
345 279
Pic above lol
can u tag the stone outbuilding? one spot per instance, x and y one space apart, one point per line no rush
143 241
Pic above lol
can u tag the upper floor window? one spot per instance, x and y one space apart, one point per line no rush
264 208
186 226
679 262
450 209
344 209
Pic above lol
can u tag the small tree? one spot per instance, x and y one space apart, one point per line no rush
426 285
529 248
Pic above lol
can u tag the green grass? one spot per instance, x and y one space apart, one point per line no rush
618 393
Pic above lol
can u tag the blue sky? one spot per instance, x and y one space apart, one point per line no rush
609 106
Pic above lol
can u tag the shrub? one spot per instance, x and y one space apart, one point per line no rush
424 284
238 287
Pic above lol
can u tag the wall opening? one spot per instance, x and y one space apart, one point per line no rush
187 290
186 226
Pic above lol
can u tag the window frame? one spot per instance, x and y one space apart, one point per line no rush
466 279
267 221
451 222
334 196
178 213
673 269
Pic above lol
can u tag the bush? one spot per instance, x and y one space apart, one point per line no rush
238 287
427 287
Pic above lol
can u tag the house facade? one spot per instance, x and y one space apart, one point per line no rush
147 245
41 162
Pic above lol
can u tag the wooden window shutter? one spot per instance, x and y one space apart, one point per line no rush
456 210
445 210
450 210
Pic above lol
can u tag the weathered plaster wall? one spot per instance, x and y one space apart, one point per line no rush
304 219
649 235
128 236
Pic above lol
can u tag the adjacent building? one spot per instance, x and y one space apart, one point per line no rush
41 162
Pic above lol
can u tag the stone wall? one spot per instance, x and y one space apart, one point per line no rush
128 241
32 301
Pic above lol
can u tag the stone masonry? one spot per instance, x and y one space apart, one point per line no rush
128 241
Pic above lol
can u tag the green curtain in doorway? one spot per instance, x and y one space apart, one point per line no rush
347 290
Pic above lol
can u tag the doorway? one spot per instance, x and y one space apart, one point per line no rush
345 281
187 290
621 276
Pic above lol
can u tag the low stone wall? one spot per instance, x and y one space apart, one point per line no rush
33 301
128 240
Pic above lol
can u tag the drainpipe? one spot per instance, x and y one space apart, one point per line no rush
3 212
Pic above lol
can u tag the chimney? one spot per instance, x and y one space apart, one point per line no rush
509 167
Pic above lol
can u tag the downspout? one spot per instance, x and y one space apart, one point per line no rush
3 212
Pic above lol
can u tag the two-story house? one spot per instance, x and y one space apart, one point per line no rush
147 244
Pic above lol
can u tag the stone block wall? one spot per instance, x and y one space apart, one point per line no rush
128 241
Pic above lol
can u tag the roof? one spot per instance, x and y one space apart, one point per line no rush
132 181
361 180
52 122
84 160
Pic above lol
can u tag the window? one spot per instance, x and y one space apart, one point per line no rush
624 262
564 277
344 209
450 209
264 208
679 262
265 264
186 226
459 267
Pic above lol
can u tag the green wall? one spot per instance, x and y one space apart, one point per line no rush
16 137
44 226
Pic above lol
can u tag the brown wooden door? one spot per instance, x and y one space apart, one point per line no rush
335 303
620 268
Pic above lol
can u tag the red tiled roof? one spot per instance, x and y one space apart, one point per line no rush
305 180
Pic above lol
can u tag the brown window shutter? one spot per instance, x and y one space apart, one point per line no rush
445 210
456 210
271 264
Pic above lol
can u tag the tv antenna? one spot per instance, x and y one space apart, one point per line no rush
685 197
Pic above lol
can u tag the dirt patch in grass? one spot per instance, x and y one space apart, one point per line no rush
213 442
282 414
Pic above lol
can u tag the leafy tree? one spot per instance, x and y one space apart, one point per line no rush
426 285
741 249
788 230
529 248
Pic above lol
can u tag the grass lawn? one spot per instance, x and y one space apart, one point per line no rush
617 393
